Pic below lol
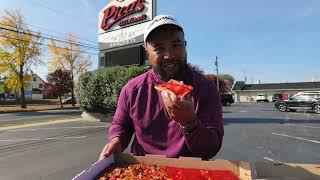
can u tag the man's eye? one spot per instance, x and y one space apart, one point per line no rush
177 45
158 49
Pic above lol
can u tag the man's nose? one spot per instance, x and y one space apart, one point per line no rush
168 53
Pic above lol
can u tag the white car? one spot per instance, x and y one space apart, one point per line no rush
262 98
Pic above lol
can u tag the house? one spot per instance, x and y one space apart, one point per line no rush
36 86
248 92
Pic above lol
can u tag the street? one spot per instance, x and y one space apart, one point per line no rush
14 118
253 132
58 151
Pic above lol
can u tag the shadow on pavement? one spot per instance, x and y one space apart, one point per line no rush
55 112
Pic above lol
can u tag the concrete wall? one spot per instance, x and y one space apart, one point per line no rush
37 96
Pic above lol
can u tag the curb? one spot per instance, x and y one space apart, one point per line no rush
97 116
38 124
32 110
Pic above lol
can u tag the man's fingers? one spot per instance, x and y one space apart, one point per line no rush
186 97
174 99
105 152
166 98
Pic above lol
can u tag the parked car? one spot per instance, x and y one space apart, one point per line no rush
67 100
11 96
226 99
276 97
262 98
302 100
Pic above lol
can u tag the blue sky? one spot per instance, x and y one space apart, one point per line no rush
268 40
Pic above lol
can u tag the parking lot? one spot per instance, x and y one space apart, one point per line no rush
253 132
258 132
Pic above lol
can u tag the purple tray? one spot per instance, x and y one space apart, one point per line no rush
93 172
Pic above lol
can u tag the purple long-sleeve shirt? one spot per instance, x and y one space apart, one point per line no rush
141 111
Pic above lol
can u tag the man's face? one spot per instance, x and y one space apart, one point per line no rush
166 49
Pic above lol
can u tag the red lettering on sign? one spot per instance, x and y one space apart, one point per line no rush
114 14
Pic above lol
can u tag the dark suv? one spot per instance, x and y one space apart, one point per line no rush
226 99
302 100
276 97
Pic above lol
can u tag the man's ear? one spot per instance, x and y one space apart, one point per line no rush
146 51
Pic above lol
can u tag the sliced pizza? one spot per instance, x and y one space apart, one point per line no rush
154 172
177 87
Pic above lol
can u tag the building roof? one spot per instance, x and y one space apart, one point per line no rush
240 85
34 74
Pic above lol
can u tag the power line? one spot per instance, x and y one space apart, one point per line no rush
45 37
47 45
55 37
217 69
50 30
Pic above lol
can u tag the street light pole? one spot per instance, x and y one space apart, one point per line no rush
217 68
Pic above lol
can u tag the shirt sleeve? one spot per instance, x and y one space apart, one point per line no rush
122 126
206 140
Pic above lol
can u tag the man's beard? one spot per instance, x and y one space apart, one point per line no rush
171 70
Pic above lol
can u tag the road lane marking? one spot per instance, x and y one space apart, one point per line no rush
79 127
9 140
71 137
294 137
243 111
39 124
37 139
315 127
269 159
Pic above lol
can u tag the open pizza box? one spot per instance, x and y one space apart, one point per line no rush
241 169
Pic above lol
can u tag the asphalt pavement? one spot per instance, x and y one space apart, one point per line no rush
253 132
258 132
58 151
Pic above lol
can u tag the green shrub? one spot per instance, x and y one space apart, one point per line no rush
99 90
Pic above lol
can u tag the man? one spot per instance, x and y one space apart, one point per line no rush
164 124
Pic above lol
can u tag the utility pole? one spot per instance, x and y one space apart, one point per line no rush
245 75
217 68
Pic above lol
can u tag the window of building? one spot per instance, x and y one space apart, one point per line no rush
40 85
34 78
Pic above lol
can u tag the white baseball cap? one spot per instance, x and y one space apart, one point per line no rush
159 21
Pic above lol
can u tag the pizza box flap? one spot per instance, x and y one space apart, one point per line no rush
263 170
241 169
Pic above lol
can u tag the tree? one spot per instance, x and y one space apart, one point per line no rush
60 83
223 88
70 58
19 49
227 77
14 84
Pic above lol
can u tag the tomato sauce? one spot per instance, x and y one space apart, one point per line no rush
198 174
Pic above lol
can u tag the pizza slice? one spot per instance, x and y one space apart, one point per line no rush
177 87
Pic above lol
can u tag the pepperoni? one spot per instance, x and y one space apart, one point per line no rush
178 88
148 172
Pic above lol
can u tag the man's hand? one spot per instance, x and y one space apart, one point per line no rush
114 146
180 110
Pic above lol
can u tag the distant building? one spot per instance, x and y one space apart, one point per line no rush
316 79
36 86
248 92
